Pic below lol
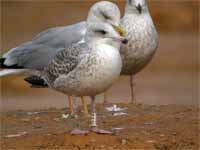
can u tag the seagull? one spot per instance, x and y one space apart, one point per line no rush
87 68
37 53
143 40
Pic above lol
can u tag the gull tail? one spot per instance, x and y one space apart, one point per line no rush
36 81
7 72
2 60
5 66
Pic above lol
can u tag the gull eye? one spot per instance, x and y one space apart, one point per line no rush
101 31
106 16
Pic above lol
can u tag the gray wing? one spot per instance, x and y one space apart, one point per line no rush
37 53
61 36
67 60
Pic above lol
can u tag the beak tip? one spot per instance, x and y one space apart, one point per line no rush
125 41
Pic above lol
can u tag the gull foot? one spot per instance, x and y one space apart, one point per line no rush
79 132
100 131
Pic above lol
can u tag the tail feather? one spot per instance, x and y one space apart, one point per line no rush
7 72
4 66
36 81
2 60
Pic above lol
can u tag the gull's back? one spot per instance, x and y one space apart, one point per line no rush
37 54
61 36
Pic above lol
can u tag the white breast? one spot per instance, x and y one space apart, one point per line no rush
142 37
95 74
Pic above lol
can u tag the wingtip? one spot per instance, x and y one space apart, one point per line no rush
3 66
36 81
2 60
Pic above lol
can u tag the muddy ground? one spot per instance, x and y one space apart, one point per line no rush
145 127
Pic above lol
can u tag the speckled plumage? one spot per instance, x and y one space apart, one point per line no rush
82 69
143 41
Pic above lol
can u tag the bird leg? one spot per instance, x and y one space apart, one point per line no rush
94 127
71 107
78 131
132 85
105 102
93 112
85 109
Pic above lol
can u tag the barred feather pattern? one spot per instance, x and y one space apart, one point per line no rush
65 61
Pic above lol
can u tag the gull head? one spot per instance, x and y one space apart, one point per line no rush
104 33
104 11
137 6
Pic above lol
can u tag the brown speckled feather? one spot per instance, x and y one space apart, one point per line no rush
66 60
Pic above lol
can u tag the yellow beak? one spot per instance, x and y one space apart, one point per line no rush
120 30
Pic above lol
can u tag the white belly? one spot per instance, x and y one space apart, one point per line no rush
94 75
142 44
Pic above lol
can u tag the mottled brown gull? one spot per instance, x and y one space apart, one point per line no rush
143 39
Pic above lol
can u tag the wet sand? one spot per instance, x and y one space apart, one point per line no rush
171 77
145 127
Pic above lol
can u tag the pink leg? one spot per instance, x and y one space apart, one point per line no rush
79 132
105 101
133 101
94 127
71 107
100 131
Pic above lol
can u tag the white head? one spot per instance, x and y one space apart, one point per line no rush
104 11
137 6
104 33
